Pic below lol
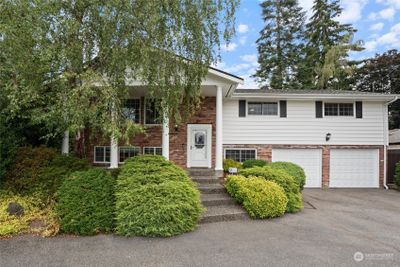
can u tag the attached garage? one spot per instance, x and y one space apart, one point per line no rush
354 168
309 159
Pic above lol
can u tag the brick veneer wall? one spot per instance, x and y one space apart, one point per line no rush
178 135
265 152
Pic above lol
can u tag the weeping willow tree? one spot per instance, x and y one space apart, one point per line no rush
66 63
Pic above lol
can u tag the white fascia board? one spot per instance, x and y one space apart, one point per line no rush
226 76
316 96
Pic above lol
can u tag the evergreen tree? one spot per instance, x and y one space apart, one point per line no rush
323 32
280 43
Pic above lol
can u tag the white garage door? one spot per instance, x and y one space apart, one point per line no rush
354 168
309 159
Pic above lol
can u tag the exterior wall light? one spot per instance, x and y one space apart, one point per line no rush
328 137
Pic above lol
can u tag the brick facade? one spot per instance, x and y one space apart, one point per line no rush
265 152
177 134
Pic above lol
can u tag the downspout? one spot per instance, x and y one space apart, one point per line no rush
386 128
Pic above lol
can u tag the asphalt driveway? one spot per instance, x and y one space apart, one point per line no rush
335 226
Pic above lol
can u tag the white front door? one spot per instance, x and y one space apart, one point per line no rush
199 145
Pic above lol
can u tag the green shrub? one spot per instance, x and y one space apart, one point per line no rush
165 209
260 198
293 169
29 164
234 184
230 163
250 163
397 174
282 178
154 197
264 199
86 202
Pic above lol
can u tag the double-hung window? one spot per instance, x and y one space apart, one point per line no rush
262 108
339 109
152 150
126 152
131 110
151 113
240 155
101 154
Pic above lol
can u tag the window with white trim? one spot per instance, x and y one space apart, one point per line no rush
262 108
131 110
126 152
152 150
240 155
101 154
339 109
152 115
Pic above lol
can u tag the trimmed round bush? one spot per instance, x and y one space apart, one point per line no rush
86 203
154 197
264 199
293 169
250 163
397 174
282 178
233 184
166 209
230 163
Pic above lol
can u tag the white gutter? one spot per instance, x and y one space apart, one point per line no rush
386 134
314 96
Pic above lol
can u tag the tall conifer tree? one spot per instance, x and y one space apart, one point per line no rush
280 43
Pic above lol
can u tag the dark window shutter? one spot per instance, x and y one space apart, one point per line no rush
283 109
359 110
242 108
318 109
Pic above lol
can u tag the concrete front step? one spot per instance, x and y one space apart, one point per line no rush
210 200
201 172
205 180
224 213
211 188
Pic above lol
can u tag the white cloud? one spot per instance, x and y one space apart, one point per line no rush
372 16
370 46
377 26
250 58
388 38
396 28
237 68
243 40
242 28
229 47
392 3
352 10
387 13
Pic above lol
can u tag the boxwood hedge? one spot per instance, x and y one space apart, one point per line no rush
86 202
154 197
293 169
282 178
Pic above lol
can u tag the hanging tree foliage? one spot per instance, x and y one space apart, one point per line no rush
66 63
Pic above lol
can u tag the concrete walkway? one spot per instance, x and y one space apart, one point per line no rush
334 225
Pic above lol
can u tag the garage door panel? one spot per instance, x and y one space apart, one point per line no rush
309 159
354 168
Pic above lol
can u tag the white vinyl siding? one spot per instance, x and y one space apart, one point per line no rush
302 127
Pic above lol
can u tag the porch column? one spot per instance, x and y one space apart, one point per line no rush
114 153
218 132
113 145
65 143
165 137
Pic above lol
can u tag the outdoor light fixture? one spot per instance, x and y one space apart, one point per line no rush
328 137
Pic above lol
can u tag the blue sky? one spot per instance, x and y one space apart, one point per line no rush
377 22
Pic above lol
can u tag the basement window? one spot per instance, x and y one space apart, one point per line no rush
240 155
101 154
339 109
152 150
125 152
